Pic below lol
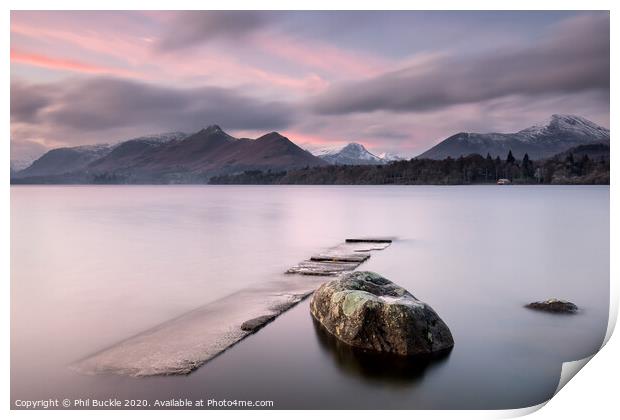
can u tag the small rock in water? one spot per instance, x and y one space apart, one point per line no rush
554 305
257 323
370 312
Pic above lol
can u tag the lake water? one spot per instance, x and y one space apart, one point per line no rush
93 265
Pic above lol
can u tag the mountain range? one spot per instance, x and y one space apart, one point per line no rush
560 133
181 158
169 158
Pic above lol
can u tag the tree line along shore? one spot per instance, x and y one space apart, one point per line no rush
569 168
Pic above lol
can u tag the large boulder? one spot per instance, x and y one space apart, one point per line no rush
370 312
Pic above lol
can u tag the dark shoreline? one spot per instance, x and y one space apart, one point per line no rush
572 169
84 184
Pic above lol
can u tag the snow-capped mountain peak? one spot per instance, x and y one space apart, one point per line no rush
351 154
558 134
358 151
322 151
161 137
567 124
576 124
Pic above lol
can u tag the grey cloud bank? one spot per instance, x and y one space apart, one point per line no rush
195 27
95 104
573 59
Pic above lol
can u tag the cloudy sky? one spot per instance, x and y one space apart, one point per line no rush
394 81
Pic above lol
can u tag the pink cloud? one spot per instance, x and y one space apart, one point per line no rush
210 67
110 44
322 56
310 84
309 139
213 68
57 63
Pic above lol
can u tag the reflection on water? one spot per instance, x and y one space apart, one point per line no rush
94 265
372 366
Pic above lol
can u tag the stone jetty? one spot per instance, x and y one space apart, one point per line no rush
183 344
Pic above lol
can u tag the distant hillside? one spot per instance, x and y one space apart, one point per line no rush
17 165
67 160
125 154
64 160
593 151
177 159
560 134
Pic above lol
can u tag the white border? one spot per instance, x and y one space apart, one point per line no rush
593 394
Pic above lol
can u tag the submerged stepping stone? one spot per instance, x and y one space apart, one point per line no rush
355 248
341 258
370 247
322 268
369 240
357 257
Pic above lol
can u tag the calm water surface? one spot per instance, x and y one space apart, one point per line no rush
93 265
